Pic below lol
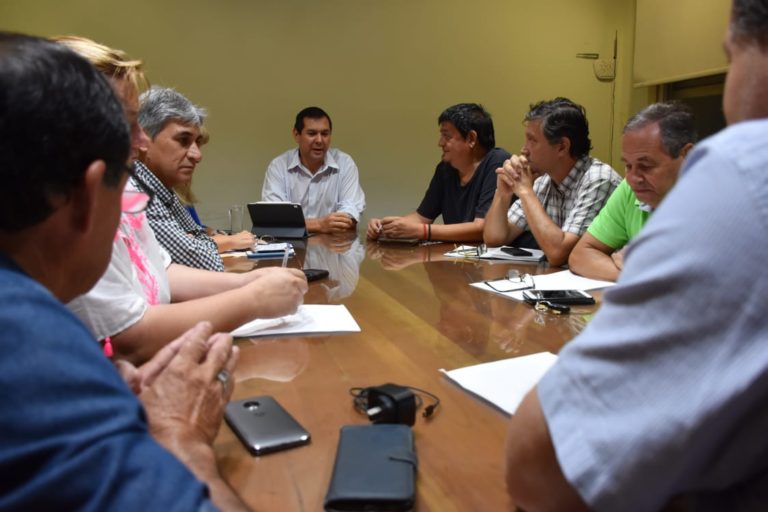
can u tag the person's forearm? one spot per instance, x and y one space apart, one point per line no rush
224 242
548 235
462 232
314 225
162 323
199 458
496 228
593 263
187 283
535 480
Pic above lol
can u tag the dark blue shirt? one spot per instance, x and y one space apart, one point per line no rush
456 203
72 434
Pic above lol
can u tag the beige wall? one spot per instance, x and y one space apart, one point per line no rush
383 69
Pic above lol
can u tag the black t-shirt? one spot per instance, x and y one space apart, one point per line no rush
445 195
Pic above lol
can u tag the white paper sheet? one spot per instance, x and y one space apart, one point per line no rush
504 383
494 253
565 280
309 319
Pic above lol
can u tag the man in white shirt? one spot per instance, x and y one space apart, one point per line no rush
323 180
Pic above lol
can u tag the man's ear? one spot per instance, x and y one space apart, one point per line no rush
564 146
472 138
296 135
87 196
686 149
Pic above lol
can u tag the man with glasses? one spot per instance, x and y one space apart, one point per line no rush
74 436
143 300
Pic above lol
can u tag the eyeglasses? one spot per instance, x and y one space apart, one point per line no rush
514 281
136 200
466 251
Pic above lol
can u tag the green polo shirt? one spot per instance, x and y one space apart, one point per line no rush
620 219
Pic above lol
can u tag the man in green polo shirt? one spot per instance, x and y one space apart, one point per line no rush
653 147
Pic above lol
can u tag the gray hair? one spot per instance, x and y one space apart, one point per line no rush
676 124
159 105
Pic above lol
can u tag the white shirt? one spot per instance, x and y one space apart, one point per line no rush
122 295
335 187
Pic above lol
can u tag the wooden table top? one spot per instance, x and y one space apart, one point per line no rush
417 314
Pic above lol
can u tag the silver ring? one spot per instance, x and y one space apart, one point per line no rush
223 376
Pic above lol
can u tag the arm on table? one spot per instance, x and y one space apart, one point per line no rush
262 293
185 404
534 478
592 258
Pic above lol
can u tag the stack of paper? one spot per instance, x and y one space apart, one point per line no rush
565 280
309 319
497 253
508 253
503 383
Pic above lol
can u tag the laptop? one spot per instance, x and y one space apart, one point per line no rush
280 220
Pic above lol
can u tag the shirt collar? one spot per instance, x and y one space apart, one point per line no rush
150 181
330 164
643 207
574 175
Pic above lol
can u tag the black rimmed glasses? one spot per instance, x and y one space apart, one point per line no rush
514 281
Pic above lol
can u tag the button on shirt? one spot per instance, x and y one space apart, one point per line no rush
174 228
335 187
575 202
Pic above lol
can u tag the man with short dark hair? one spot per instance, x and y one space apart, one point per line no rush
560 188
323 180
662 401
653 147
74 435
462 185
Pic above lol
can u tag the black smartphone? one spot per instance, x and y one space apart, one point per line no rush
263 425
515 251
558 296
313 274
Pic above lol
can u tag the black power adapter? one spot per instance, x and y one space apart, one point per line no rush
390 403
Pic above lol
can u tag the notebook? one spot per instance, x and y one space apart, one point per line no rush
280 220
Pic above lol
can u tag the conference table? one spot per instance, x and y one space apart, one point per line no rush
417 314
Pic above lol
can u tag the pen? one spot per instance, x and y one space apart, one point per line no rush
285 258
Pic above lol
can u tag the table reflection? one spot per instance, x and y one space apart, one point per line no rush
341 256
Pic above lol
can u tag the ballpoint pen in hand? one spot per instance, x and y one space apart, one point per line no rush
285 258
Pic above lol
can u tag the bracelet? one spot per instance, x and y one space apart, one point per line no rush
424 236
429 231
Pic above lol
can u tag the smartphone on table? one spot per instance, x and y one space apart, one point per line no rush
263 425
558 296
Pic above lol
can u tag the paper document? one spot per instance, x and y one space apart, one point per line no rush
309 319
565 280
496 253
508 253
503 383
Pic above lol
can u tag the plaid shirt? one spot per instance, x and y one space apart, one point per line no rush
575 202
174 228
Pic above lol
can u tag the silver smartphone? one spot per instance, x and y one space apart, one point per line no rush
263 425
